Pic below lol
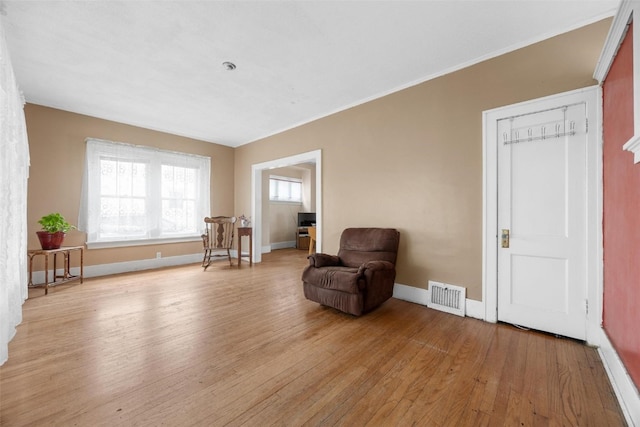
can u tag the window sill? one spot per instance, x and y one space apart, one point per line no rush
141 242
285 202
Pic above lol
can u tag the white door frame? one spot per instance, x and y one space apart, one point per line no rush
594 209
256 195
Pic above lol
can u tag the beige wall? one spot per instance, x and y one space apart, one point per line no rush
410 160
282 222
279 220
413 159
57 149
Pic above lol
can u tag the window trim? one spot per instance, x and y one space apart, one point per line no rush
96 149
286 179
140 242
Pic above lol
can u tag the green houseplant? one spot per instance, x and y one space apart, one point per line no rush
54 228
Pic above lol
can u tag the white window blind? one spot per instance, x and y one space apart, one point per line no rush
140 195
284 189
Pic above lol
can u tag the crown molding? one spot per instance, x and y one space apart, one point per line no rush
623 16
617 34
633 145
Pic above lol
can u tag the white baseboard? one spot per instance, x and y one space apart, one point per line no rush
129 266
475 309
283 245
420 296
622 384
143 264
278 245
411 294
125 267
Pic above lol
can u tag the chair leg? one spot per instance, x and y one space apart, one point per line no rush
206 260
229 256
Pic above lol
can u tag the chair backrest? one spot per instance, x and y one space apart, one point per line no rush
360 245
219 232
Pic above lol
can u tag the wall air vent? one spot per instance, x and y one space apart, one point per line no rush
447 298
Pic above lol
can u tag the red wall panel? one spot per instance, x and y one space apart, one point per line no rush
621 216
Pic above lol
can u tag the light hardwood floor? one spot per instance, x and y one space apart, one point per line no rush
230 346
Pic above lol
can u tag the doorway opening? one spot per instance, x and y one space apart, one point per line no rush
257 197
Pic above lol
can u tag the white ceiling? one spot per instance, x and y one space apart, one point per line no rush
158 64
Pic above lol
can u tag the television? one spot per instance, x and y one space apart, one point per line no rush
306 219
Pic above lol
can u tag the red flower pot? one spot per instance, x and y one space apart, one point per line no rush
50 240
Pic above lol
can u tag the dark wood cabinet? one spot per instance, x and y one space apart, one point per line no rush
302 238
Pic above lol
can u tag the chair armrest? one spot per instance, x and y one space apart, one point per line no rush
378 275
376 266
323 260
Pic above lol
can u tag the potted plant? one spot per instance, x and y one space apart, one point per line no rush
54 228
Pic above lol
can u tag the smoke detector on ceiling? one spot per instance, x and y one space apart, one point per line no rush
229 66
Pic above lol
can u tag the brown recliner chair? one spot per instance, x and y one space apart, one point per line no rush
360 277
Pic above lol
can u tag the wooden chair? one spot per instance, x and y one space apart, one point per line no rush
218 238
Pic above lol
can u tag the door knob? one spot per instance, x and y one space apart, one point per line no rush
505 238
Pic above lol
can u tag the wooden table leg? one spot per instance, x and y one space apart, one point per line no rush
55 266
46 273
245 231
30 270
81 265
67 263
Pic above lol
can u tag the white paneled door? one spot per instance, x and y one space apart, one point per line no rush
542 214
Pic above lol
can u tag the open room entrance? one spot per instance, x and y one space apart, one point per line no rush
260 196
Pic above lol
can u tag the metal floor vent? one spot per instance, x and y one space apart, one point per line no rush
447 298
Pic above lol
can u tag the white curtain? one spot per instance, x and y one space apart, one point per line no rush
14 170
134 193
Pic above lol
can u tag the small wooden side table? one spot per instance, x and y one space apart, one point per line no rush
245 231
66 276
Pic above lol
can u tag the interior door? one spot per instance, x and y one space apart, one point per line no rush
542 218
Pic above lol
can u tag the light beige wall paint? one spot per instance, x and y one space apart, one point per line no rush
57 149
309 186
282 222
413 159
280 219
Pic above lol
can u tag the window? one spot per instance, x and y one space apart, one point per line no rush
141 195
283 189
